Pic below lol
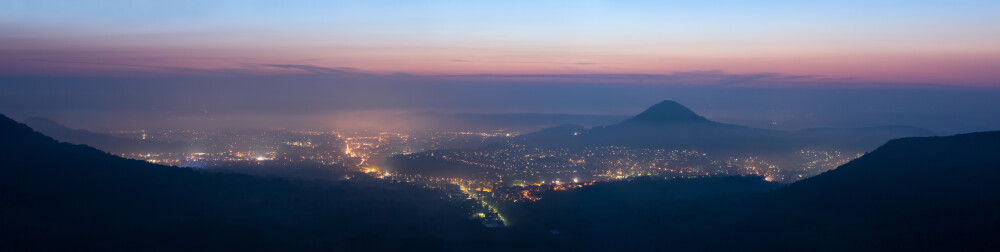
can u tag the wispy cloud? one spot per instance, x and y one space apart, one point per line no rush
144 68
338 71
703 78
692 78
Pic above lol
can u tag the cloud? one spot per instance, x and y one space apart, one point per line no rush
130 68
134 66
338 71
701 78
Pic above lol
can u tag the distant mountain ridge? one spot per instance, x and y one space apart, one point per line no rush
669 124
101 141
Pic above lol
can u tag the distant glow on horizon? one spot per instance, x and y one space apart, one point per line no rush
940 42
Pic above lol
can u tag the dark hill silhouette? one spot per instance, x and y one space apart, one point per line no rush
101 141
60 196
667 112
669 124
926 193
956 162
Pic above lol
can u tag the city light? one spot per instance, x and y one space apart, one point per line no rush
517 164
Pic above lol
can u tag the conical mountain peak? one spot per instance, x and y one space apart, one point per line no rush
667 111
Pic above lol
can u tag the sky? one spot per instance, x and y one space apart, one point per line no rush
940 42
180 59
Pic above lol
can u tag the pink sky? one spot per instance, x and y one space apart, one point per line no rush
927 42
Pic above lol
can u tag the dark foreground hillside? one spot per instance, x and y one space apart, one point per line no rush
59 196
916 193
928 193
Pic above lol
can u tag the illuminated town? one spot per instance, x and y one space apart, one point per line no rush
477 169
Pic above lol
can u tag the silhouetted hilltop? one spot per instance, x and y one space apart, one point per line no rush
664 125
940 178
60 196
916 164
918 193
101 141
926 193
667 111
669 124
